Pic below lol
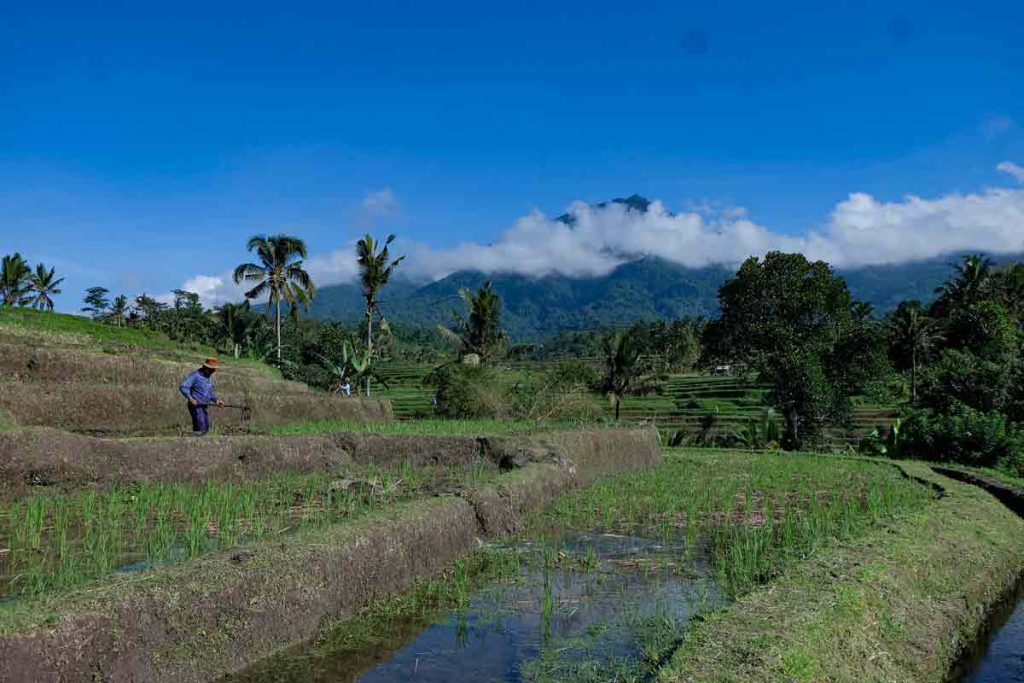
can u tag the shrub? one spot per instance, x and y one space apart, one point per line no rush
964 435
467 391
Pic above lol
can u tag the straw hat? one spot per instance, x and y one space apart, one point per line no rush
211 364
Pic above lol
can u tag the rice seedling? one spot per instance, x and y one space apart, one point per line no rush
59 542
756 513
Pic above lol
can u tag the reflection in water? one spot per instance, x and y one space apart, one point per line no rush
590 606
1003 660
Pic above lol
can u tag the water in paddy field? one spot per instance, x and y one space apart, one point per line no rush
1003 658
586 607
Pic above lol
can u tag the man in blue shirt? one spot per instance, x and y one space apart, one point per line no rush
198 389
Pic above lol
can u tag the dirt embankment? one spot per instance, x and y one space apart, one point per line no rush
41 457
147 410
202 619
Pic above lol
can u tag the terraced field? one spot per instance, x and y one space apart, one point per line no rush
687 403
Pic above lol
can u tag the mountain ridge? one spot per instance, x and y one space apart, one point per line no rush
649 288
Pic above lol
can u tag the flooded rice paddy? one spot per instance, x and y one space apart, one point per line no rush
587 606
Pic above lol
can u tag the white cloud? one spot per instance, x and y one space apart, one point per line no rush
1015 170
381 203
861 230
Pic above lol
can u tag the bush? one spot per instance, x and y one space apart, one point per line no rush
558 394
964 435
466 391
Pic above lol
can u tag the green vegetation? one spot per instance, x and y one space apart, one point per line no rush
278 275
375 270
60 542
759 513
899 603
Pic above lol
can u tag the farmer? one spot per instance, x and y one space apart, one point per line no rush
198 389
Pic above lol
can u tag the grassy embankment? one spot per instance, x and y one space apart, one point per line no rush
62 542
903 602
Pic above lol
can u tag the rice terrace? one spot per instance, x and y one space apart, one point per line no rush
533 343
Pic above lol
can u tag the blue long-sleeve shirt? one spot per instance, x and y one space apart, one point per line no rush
199 387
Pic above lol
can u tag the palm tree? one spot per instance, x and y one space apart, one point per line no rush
279 274
479 333
375 269
972 275
42 284
119 310
623 370
14 279
912 335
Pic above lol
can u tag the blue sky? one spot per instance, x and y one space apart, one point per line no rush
141 144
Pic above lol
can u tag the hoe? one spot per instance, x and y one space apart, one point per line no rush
246 410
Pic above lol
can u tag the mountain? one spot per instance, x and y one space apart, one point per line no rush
647 289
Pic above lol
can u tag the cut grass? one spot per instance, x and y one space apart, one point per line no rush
901 603
60 542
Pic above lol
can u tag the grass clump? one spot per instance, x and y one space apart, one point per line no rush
60 542
757 513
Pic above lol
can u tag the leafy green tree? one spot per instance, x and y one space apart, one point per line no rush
796 324
96 301
478 332
375 269
15 276
279 275
913 337
42 286
624 370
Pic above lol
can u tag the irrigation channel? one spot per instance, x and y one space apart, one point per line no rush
580 607
1002 660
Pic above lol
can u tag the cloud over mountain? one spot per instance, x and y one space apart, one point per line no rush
592 240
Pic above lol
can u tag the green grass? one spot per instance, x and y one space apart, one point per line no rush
60 542
896 604
760 513
426 427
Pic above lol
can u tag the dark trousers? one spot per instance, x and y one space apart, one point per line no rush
200 418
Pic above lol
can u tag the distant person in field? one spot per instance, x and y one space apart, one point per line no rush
346 388
198 389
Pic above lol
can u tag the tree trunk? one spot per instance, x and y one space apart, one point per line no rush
913 375
279 329
793 427
369 346
618 405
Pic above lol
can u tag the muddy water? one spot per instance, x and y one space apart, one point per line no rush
1003 658
583 607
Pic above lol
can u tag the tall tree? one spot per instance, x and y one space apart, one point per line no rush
913 336
375 269
42 285
14 280
478 332
279 275
795 322
96 301
119 311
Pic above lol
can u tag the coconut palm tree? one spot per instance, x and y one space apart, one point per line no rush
971 278
375 269
624 371
912 336
479 332
42 284
14 280
279 274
